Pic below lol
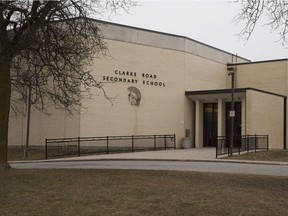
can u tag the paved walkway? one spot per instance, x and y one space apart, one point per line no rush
179 154
199 160
220 167
193 154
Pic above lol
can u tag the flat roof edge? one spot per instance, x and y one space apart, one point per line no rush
225 91
185 38
258 62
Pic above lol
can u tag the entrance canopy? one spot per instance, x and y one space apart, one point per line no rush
259 112
211 96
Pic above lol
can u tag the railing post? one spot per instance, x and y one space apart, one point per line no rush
165 142
245 137
79 147
107 144
256 143
155 146
248 144
267 142
229 148
46 149
132 143
174 141
217 147
239 144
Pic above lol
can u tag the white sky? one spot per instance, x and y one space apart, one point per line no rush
208 21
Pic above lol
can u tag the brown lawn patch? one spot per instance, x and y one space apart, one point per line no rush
128 192
271 155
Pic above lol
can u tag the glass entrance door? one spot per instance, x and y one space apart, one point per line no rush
210 124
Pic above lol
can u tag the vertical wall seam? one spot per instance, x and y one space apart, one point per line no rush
285 124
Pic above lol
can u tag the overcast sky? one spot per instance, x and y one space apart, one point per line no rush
208 21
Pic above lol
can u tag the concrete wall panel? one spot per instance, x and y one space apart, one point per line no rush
265 115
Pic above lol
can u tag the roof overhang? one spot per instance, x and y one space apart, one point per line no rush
212 96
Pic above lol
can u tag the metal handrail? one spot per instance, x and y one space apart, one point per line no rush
241 144
62 145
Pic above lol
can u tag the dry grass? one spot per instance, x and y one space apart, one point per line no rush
17 154
128 192
272 155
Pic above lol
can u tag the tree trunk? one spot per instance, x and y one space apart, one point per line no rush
5 93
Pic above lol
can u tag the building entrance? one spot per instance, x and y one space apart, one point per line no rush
210 124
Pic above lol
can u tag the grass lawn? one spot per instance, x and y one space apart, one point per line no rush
271 155
17 154
129 192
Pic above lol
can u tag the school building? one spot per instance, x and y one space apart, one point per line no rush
162 83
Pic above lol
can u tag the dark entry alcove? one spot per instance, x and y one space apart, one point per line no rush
210 124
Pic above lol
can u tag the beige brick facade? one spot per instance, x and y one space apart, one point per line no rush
146 78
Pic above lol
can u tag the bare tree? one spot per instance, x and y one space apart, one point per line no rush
276 12
46 46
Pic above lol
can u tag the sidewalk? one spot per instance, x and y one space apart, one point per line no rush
179 154
194 154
